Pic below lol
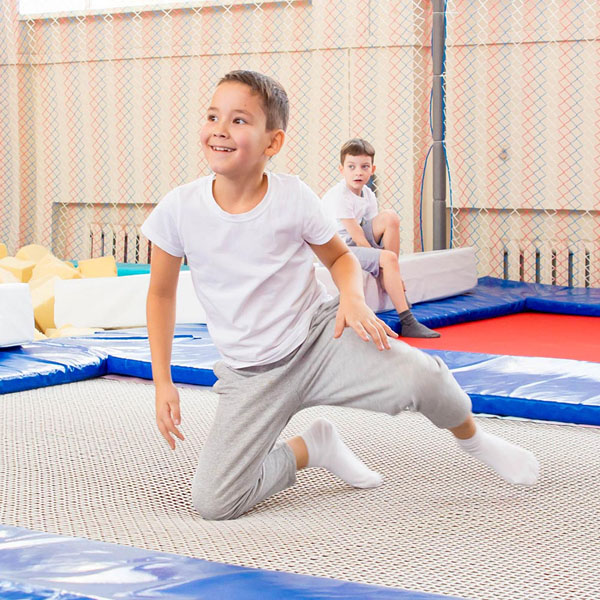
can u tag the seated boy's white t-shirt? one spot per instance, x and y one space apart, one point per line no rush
342 203
253 272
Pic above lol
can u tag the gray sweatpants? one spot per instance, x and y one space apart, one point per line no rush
367 257
242 463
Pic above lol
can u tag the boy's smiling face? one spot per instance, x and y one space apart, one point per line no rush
357 171
234 137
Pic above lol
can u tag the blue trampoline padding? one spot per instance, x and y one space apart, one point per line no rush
540 388
40 364
194 330
105 571
192 360
550 389
10 590
498 297
549 298
483 302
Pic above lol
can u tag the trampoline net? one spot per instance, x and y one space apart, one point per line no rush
85 459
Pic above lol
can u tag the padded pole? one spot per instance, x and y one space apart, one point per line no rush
437 117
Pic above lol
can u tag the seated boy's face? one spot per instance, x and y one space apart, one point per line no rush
234 135
357 171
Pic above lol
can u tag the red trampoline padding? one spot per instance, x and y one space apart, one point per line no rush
523 334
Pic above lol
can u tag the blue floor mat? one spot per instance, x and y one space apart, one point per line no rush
539 388
38 566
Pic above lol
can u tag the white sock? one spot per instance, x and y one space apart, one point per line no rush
511 462
326 449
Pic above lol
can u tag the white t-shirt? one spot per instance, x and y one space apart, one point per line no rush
253 272
342 203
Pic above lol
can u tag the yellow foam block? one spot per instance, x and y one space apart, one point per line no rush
50 265
32 252
21 269
3 250
7 277
38 335
105 266
42 297
70 331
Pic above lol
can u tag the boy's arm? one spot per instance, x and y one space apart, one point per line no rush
160 312
355 231
353 311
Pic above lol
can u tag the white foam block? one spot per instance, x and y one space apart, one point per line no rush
16 314
111 302
427 276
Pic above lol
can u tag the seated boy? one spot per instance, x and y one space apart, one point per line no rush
249 237
373 236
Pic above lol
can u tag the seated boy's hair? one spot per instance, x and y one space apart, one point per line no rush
356 147
273 96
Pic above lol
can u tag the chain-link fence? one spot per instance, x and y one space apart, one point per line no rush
523 136
100 116
109 108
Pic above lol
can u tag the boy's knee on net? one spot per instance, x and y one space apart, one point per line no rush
213 506
214 502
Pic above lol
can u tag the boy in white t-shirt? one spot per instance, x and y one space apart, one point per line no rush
249 237
372 236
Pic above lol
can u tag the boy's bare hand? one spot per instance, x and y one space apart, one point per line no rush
356 314
168 416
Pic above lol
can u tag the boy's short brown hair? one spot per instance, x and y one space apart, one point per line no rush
271 92
356 147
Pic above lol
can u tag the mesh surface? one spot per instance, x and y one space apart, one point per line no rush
85 459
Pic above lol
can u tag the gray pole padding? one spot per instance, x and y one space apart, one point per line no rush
437 118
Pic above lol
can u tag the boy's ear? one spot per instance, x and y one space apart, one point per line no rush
373 171
277 139
341 168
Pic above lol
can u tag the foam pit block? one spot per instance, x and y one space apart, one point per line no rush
7 277
42 295
32 252
104 266
49 266
21 269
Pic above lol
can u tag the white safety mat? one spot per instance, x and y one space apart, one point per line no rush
85 459
426 275
112 302
16 314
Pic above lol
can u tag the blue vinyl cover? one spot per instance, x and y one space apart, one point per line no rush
486 301
46 363
192 356
72 566
498 297
539 388
547 389
548 298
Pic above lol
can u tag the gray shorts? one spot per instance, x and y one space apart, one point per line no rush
367 257
242 461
